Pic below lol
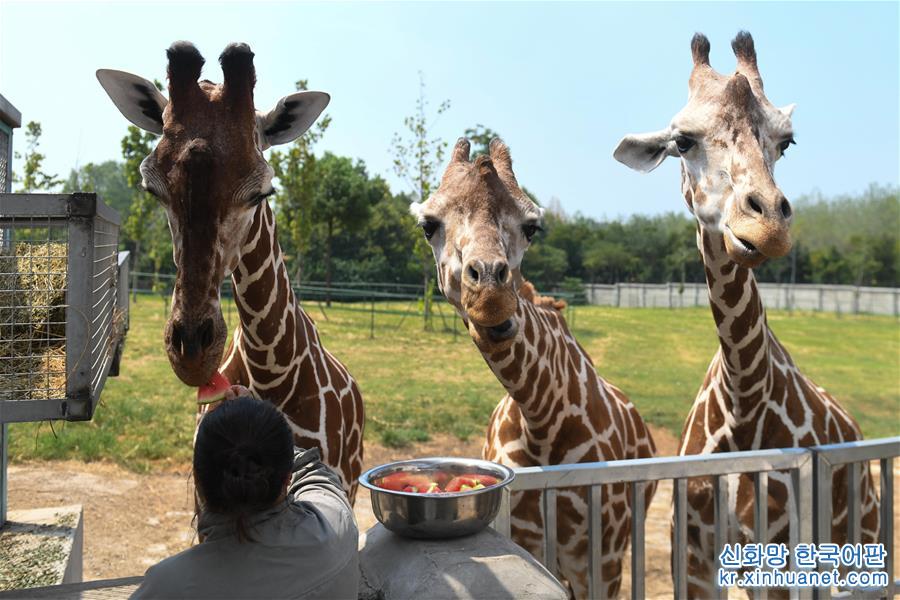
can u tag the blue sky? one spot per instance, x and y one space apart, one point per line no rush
562 82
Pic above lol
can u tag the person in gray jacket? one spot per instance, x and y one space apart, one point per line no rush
274 520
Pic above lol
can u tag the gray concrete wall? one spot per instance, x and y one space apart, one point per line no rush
824 298
484 565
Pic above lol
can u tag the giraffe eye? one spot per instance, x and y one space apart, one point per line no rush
429 227
684 143
783 146
259 198
529 229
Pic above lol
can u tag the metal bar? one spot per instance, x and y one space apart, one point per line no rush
887 520
32 410
848 452
853 512
501 522
823 478
720 501
549 498
595 542
667 467
79 314
53 206
679 548
638 516
761 519
802 482
4 480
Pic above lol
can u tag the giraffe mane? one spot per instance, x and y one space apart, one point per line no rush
528 292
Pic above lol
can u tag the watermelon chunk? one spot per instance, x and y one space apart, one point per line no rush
214 390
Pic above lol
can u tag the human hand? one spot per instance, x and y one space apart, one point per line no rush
236 391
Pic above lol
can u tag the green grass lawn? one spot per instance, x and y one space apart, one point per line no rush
417 383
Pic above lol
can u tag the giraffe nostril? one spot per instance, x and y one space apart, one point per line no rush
472 272
786 210
176 338
206 333
502 272
754 205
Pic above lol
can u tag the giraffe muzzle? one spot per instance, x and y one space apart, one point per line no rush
194 347
504 331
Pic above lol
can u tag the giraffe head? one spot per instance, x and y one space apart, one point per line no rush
209 174
729 137
479 223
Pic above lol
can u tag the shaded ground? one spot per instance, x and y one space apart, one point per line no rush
134 520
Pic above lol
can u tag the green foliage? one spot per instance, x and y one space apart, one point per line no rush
480 137
34 178
418 157
342 199
107 179
295 168
145 229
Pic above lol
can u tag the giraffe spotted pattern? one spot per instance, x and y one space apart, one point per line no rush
754 397
558 410
276 352
729 137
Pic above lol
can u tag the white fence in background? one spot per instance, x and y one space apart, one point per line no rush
824 298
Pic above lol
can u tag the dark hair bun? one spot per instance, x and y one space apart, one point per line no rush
242 458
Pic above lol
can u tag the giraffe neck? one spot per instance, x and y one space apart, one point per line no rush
273 325
545 367
744 336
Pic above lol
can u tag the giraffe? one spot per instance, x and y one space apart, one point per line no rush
209 174
557 408
729 137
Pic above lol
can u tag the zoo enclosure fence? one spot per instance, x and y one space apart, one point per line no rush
809 515
840 299
405 303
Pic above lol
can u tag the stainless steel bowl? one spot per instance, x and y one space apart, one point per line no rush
440 515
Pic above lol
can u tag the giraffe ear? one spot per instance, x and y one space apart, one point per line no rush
291 117
136 98
645 151
788 110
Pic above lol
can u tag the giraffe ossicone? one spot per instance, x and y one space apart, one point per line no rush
209 174
557 410
729 137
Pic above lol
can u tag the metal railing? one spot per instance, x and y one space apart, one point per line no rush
854 455
803 514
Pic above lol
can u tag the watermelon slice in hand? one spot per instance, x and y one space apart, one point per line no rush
214 390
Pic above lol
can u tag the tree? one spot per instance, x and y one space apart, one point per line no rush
146 224
295 170
34 178
417 159
342 200
480 138
107 179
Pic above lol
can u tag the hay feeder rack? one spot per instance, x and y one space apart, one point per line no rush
63 307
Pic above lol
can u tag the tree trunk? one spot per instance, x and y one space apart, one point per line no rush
425 293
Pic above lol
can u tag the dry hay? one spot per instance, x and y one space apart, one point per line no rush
32 321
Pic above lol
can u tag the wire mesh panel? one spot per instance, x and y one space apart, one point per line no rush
32 309
61 317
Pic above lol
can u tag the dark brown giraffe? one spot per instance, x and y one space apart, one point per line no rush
209 173
557 409
729 137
